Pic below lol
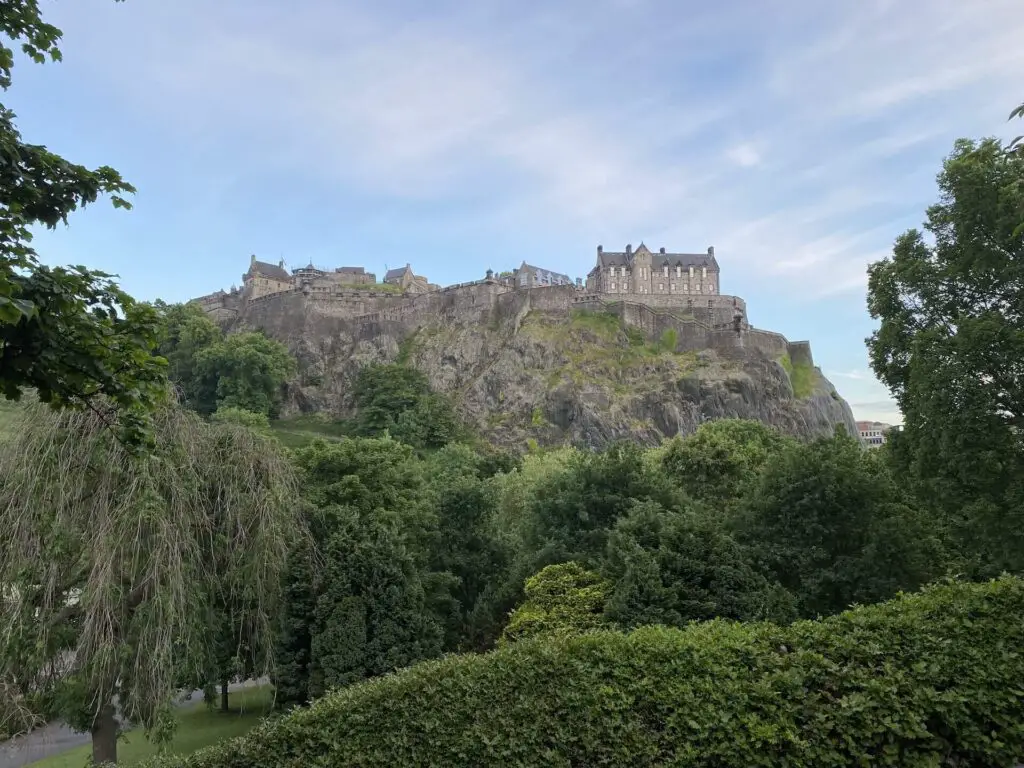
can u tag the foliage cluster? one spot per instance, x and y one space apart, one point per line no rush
927 679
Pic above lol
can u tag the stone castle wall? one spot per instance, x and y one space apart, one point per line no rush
699 322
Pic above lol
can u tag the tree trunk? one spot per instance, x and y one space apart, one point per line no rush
224 696
104 736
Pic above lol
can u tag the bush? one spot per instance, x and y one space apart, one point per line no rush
924 680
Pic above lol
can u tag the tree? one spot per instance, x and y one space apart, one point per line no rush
673 567
950 345
364 607
244 370
70 333
560 599
719 461
185 331
574 511
398 400
829 523
113 563
1017 144
466 549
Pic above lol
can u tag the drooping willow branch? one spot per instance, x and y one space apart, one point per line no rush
112 563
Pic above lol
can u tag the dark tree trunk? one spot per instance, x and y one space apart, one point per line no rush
224 696
104 736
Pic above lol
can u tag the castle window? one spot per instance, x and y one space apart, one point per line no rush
661 286
613 286
679 271
672 287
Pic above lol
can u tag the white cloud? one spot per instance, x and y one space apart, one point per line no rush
744 155
606 127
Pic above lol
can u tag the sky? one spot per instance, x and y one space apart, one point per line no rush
797 137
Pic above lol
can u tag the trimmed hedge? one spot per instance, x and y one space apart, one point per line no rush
913 682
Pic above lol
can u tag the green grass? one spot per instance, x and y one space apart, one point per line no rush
302 430
8 415
198 726
598 347
802 377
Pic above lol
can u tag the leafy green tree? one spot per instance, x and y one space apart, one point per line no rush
1017 144
113 563
363 607
949 347
69 333
673 567
245 370
830 524
466 548
398 400
241 417
185 331
574 511
560 599
719 461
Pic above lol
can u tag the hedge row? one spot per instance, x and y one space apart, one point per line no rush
931 679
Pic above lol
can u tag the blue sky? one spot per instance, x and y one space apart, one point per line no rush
798 137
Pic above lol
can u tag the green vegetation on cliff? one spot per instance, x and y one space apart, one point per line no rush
802 376
597 348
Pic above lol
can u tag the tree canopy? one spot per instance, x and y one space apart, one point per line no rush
950 347
114 565
68 333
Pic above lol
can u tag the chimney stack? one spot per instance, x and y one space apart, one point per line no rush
629 249
661 250
711 251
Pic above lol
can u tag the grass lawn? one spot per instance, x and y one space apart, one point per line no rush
300 431
198 726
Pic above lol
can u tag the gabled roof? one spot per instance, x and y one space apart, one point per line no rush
273 271
351 270
535 270
397 272
686 260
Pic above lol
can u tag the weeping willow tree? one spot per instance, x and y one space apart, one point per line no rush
114 566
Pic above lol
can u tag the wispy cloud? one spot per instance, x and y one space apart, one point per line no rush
564 123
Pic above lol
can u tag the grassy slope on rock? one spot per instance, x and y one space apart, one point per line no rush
598 349
802 376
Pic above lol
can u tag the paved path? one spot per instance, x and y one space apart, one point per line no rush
55 738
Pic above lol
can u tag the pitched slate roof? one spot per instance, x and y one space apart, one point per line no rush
536 270
685 260
273 271
351 270
397 272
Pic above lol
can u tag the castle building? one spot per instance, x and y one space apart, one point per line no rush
263 278
643 272
409 282
529 275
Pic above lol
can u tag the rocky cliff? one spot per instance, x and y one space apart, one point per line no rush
542 365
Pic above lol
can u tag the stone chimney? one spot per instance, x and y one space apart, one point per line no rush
252 260
600 250
711 251
281 263
629 249
661 250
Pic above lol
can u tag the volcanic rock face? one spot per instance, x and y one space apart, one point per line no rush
540 365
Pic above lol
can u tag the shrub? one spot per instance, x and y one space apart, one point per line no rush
925 680
564 598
